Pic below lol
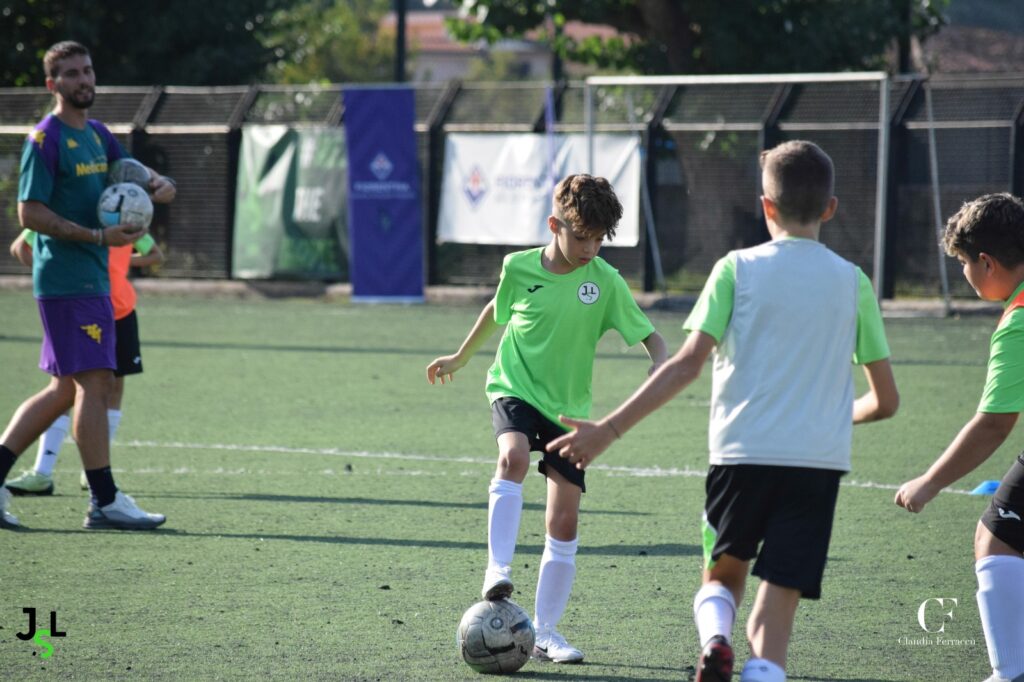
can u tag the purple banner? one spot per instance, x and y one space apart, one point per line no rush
384 216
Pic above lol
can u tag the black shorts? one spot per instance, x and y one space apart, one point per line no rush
513 414
126 346
1005 515
788 511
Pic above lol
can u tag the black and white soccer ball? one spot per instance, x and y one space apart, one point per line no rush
125 204
128 170
496 637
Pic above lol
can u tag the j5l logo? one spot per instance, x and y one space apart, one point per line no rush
37 635
944 603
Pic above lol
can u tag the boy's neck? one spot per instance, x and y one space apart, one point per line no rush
784 231
551 259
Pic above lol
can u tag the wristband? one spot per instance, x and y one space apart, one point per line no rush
99 237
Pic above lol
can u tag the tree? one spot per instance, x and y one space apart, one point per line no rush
331 42
185 42
709 36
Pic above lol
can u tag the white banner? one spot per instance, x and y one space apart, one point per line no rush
496 188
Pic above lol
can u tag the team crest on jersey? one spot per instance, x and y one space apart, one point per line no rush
72 144
588 293
94 332
38 136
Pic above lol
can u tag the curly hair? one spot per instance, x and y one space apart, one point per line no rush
587 204
992 224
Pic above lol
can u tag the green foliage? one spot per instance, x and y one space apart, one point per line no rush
186 42
197 42
331 42
708 36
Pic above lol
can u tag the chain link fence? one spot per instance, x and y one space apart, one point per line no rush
700 144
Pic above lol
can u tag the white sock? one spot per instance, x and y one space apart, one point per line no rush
113 421
557 572
50 444
762 670
504 507
714 612
1001 606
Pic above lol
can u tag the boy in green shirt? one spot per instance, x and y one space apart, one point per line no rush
555 302
987 237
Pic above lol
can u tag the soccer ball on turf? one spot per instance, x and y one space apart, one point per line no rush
125 204
128 170
496 637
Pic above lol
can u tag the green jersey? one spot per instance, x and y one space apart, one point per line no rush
546 356
1004 385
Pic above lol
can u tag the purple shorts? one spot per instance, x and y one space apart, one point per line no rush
78 335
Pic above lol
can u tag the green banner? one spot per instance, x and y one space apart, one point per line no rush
290 205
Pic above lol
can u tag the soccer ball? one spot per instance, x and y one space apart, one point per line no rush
496 637
125 204
128 170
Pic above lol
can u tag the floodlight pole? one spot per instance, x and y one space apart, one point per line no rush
881 188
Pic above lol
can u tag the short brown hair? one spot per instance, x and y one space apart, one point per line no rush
59 52
587 204
993 224
799 178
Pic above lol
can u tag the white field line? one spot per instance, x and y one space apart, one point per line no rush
634 472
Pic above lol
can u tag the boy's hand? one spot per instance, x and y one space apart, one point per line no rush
443 367
915 494
584 443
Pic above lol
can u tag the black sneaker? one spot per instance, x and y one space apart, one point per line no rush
715 664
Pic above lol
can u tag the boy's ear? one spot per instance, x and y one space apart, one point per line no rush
830 210
988 261
771 211
553 224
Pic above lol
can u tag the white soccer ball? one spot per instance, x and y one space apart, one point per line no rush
125 204
496 637
128 170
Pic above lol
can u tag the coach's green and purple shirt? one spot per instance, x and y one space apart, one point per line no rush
1004 385
66 169
546 355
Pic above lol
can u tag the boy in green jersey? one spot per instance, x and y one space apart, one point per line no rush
987 237
555 303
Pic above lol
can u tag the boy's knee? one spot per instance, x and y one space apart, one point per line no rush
513 463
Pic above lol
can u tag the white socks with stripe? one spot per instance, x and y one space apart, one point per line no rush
50 444
1001 606
504 507
557 572
714 612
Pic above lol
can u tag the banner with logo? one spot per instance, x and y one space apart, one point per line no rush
290 217
385 222
496 188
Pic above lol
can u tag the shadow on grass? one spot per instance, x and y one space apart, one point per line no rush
321 499
662 549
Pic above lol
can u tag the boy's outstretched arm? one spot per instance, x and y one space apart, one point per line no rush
589 439
657 351
443 367
975 443
882 399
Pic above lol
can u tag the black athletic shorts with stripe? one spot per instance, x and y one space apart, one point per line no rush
514 414
780 515
1005 514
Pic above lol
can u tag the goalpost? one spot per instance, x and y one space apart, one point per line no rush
773 117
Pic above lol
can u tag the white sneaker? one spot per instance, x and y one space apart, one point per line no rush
497 584
551 646
121 514
7 519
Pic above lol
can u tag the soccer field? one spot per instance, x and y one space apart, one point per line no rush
326 511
